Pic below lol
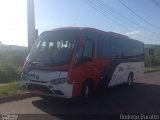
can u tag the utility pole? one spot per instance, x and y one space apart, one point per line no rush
32 32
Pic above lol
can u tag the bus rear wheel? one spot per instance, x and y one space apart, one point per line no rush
130 79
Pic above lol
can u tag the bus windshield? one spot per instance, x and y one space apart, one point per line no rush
54 47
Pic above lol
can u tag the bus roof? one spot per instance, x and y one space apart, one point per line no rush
112 34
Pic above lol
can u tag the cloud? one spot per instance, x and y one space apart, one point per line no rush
133 32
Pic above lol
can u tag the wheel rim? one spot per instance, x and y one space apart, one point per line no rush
86 91
129 80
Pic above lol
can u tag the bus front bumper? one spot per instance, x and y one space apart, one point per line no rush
63 90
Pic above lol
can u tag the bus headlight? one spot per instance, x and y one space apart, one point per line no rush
58 81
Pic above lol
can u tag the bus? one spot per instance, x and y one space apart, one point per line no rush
78 61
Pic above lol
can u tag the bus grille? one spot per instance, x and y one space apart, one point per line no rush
34 87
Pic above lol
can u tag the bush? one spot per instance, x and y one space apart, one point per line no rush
9 72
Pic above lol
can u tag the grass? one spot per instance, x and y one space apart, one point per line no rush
152 69
10 89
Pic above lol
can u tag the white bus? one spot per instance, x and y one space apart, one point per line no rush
70 62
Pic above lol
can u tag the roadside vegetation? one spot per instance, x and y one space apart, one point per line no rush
151 69
11 62
152 61
9 72
9 89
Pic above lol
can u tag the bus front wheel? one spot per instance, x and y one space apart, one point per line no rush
87 90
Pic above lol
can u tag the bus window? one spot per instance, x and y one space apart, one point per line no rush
102 46
54 47
86 52
89 45
115 48
88 49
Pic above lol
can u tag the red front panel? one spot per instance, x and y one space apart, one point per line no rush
89 70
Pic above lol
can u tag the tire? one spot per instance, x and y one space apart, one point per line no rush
87 91
130 80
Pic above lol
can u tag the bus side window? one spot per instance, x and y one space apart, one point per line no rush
102 46
115 48
86 51
89 44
